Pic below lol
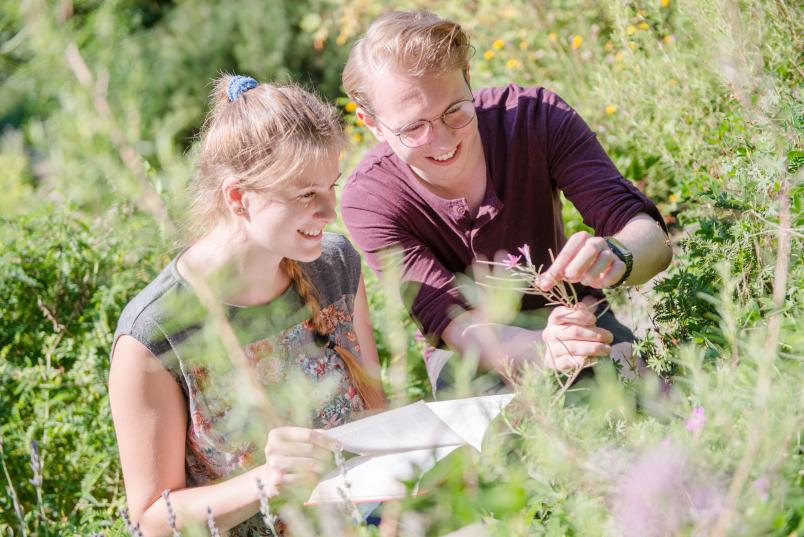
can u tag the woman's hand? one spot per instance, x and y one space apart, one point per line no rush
296 454
571 336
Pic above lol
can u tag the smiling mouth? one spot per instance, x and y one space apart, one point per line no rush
448 157
311 233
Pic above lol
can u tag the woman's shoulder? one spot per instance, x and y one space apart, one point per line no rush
337 271
144 315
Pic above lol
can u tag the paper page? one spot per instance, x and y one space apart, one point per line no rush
470 417
378 478
406 428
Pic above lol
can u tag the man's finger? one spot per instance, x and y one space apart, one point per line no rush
583 261
555 272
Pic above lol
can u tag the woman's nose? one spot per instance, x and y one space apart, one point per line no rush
326 207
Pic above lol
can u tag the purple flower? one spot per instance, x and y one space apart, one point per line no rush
695 423
511 261
525 250
761 486
661 492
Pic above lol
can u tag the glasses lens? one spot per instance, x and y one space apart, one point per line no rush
415 134
459 115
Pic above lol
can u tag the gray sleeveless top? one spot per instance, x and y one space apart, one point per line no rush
225 435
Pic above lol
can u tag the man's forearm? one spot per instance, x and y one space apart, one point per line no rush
648 243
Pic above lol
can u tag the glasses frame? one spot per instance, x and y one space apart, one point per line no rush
428 137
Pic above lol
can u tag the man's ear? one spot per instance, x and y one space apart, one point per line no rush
370 123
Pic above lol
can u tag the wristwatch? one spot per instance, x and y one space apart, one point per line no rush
625 256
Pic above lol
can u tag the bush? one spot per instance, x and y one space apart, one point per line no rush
65 280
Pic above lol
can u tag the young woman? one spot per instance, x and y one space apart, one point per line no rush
293 306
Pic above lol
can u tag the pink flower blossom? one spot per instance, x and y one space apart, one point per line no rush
525 250
511 261
695 423
661 492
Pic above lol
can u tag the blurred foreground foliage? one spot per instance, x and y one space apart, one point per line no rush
698 102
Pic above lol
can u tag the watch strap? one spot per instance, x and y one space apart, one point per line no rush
624 255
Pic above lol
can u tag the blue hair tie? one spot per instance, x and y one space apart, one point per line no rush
238 86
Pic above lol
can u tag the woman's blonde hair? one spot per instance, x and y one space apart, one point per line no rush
417 42
265 138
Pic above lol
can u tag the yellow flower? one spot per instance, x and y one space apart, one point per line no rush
631 45
619 56
350 107
610 109
356 137
577 41
664 3
489 54
630 29
513 63
608 46
673 198
668 39
552 36
498 44
359 123
523 45
673 82
644 25
341 39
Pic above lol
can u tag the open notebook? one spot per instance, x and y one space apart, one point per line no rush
402 444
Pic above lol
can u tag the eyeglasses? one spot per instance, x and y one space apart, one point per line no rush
419 132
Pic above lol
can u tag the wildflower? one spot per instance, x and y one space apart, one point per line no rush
511 261
525 250
341 39
577 41
644 25
552 36
488 55
523 45
673 82
761 486
498 44
513 63
695 423
664 3
357 138
611 109
619 56
631 45
359 123
673 198
350 107
668 39
608 46
631 29
661 492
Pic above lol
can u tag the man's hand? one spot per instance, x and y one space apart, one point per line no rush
586 259
571 336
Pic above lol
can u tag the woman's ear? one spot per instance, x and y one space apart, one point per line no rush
370 123
233 196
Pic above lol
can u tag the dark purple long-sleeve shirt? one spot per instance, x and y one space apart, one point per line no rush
535 145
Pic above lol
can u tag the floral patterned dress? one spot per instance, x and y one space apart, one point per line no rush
285 357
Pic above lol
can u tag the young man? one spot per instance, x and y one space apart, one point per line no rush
461 176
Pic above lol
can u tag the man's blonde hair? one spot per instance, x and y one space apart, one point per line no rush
417 42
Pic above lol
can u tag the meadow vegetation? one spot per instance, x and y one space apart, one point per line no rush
699 103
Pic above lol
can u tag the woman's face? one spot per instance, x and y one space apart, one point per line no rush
289 222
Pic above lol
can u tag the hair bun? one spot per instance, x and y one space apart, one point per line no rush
238 85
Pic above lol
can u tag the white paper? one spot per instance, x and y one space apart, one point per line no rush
378 478
402 444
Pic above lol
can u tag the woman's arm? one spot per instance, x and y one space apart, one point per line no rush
149 415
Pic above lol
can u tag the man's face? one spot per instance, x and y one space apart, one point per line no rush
451 157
